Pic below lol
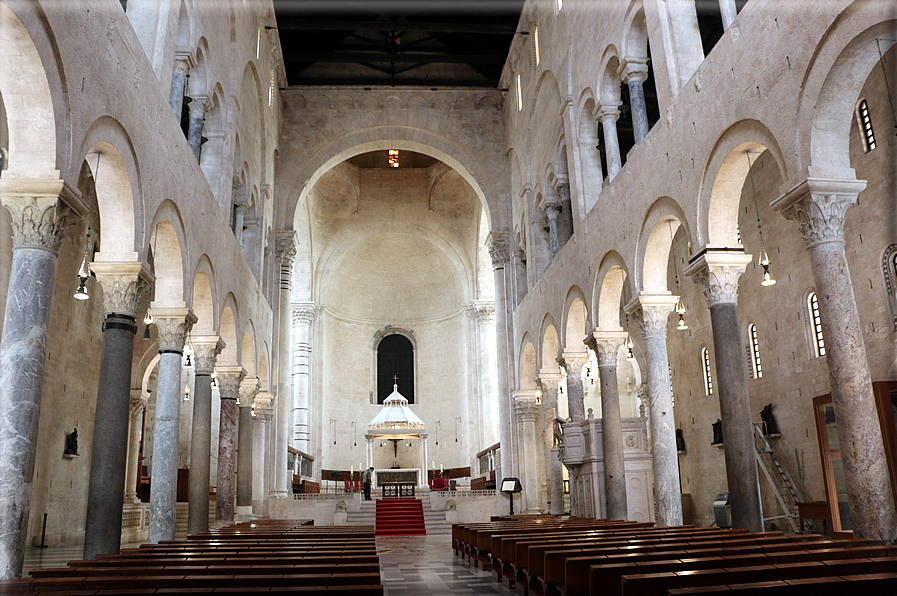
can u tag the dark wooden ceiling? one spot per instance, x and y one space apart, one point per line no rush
398 43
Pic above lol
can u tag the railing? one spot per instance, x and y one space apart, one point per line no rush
489 459
300 463
135 518
319 496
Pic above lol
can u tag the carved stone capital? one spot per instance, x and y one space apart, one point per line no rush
608 113
205 351
551 209
717 272
485 312
229 379
573 362
197 106
37 214
652 312
563 188
633 68
499 249
173 325
123 285
261 405
137 402
820 207
248 389
303 314
526 407
606 345
285 247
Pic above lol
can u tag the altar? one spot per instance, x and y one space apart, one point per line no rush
398 475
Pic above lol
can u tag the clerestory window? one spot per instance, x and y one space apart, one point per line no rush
815 325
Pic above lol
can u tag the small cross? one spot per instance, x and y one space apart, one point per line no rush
395 379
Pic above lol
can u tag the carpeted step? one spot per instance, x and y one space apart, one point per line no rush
400 517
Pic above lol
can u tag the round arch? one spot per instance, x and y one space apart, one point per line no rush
203 298
167 244
576 323
659 226
229 333
610 280
527 369
551 345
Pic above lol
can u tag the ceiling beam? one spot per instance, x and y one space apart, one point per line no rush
404 58
293 24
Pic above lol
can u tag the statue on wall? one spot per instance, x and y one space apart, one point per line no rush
717 432
71 443
771 426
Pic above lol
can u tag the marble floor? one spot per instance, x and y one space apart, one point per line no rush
409 566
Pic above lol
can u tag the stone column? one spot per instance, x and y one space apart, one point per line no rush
572 362
634 74
248 389
303 319
368 452
608 116
820 207
521 285
527 411
183 62
500 253
138 405
485 321
565 217
653 311
260 429
551 210
197 107
549 382
606 345
425 454
38 219
123 284
718 273
173 324
728 13
285 252
229 379
205 351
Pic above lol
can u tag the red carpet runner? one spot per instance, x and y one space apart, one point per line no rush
400 517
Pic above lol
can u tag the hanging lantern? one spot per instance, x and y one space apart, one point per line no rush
186 394
680 310
629 355
147 321
764 262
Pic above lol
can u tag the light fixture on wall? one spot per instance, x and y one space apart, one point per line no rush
629 355
764 257
187 393
354 434
680 305
188 351
147 321
438 424
457 424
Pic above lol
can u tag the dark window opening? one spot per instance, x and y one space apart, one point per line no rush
625 127
710 21
395 365
185 116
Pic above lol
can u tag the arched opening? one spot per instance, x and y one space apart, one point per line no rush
395 366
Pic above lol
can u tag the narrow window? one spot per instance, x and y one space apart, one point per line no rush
271 89
755 351
519 93
865 124
560 4
708 380
815 324
536 56
395 366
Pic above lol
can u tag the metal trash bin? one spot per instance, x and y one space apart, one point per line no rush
721 511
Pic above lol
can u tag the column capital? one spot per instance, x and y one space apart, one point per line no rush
229 379
285 246
573 362
205 350
303 313
606 345
633 68
37 213
499 249
717 273
652 311
485 312
173 325
123 283
819 206
249 387
606 112
262 406
526 405
137 402
549 381
184 60
198 105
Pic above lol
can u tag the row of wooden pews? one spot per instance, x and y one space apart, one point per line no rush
568 556
247 558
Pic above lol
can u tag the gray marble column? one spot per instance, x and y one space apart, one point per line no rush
123 284
727 12
197 107
205 351
718 273
634 74
285 253
501 257
549 382
229 379
572 362
303 319
182 65
137 404
173 325
653 311
527 410
606 345
551 210
248 389
565 217
608 116
38 220
260 428
820 207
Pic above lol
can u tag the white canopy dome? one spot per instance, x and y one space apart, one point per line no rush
396 415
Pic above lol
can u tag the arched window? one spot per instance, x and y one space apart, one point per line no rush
395 365
519 92
559 4
865 124
708 380
815 324
537 57
755 351
889 271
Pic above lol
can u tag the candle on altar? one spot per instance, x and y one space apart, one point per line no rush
434 465
440 468
352 469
